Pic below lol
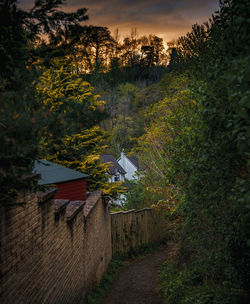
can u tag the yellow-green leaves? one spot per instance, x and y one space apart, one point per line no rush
73 137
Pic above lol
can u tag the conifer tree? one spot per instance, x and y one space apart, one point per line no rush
73 138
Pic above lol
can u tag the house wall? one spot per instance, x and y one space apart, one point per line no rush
126 164
135 228
73 190
52 251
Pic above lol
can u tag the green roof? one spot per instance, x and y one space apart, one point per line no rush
52 173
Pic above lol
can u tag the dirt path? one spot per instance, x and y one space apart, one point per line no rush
136 283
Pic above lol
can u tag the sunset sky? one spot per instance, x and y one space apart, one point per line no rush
168 19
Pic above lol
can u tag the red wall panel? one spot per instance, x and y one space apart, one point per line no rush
73 190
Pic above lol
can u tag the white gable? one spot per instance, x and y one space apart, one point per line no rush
128 166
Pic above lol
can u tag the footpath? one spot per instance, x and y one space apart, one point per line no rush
136 283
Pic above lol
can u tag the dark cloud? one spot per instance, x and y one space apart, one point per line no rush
169 18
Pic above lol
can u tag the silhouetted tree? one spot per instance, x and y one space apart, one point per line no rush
99 41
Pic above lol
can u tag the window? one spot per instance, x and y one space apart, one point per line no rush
117 177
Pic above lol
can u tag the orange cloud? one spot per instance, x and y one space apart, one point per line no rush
166 18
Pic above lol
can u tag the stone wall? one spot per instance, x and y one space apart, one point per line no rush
52 251
134 228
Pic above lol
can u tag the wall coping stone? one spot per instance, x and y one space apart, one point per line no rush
60 204
123 212
91 202
129 211
44 196
73 208
144 209
118 212
132 210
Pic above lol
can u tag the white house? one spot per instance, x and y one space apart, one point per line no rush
130 164
123 168
115 170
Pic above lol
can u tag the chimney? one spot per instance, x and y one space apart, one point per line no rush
123 159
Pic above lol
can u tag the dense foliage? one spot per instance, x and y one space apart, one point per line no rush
72 136
209 164
56 115
21 125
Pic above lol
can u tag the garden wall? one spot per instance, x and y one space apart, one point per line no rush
53 251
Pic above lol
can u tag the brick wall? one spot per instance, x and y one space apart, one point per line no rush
97 239
52 251
134 228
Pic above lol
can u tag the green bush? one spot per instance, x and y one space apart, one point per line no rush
192 285
209 164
